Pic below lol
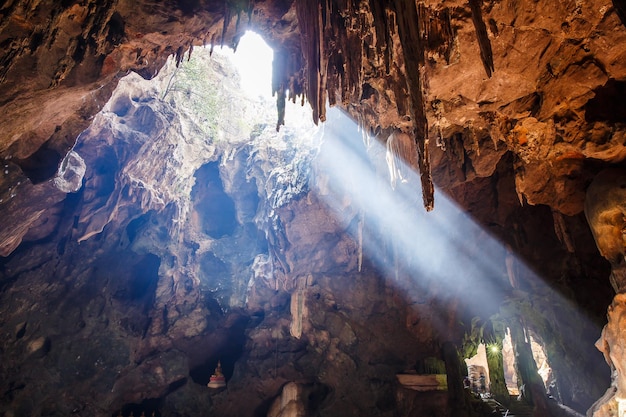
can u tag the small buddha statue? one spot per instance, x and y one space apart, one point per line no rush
217 380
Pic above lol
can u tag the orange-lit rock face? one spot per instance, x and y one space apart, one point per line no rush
541 81
613 346
507 103
605 208
605 211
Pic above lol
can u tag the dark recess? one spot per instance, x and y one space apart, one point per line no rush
41 165
608 105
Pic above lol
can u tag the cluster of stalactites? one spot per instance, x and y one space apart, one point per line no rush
287 79
338 39
335 41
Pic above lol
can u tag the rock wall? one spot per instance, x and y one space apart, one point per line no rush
179 249
502 105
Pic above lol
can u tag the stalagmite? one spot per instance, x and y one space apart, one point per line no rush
290 402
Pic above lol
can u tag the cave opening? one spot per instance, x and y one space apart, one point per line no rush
172 180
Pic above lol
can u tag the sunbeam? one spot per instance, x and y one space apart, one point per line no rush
443 254
437 247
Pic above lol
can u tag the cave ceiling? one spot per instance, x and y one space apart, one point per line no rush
538 81
508 108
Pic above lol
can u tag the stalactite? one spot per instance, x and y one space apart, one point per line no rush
511 268
560 229
383 34
286 75
439 32
413 51
367 138
298 309
438 110
180 52
400 157
457 151
212 43
481 33
309 18
352 76
322 78
280 107
296 79
473 138
391 157
227 18
279 65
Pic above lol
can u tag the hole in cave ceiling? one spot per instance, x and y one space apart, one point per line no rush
212 104
195 146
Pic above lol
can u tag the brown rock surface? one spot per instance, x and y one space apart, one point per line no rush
122 294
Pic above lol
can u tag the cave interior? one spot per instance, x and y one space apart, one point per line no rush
425 216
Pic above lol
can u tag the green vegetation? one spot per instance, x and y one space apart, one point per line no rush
194 90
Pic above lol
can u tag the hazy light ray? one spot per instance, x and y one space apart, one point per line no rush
437 253
429 244
438 247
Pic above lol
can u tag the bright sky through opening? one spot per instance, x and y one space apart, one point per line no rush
253 61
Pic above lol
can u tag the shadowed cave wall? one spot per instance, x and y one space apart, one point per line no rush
120 294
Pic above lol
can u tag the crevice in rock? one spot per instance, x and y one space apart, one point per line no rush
608 105
215 209
227 354
41 165
21 331
173 386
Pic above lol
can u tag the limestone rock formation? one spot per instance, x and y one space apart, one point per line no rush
140 245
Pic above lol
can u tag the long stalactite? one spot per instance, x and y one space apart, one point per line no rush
484 44
409 29
310 21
